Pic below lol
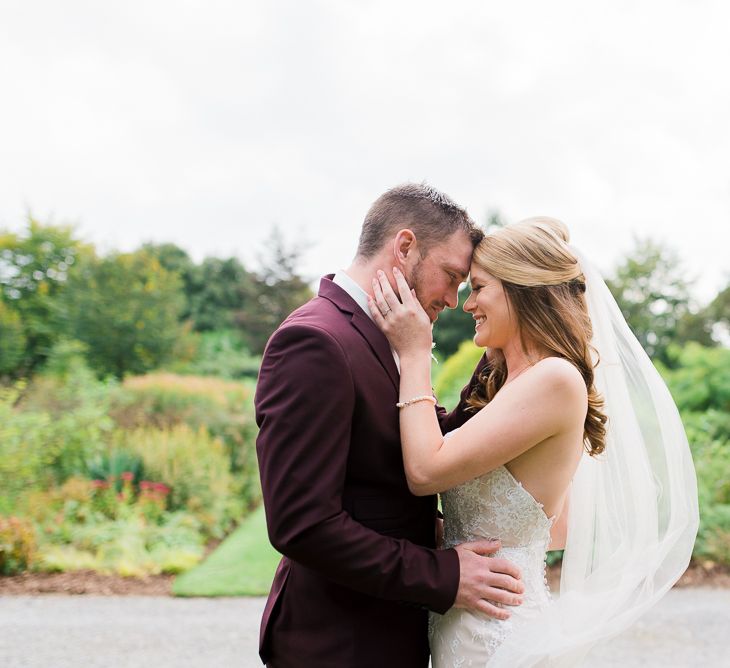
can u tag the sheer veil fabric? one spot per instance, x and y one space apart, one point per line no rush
633 513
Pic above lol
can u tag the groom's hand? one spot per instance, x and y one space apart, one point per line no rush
439 533
486 580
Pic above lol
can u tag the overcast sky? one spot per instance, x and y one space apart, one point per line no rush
205 123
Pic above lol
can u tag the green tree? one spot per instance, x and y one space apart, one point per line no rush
126 308
494 221
34 268
453 327
696 326
654 296
277 290
718 314
171 257
699 377
218 292
455 373
12 339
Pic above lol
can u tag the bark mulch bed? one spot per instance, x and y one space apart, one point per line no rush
85 582
89 582
707 574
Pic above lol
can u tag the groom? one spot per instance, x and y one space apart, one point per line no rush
360 570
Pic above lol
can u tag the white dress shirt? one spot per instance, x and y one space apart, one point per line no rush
361 299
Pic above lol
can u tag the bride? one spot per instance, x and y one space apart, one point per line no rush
571 425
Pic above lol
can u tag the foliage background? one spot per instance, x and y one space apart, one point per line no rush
126 387
126 399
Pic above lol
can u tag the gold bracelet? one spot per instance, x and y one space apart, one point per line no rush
415 400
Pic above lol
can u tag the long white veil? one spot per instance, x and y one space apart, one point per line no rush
633 514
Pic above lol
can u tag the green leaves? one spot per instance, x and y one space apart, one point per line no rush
455 373
34 268
126 308
454 326
653 293
699 377
12 339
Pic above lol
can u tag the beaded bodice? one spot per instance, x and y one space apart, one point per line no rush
494 505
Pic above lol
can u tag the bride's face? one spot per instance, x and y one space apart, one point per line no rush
495 322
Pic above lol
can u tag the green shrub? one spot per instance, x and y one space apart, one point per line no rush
65 558
86 524
224 408
712 463
712 425
67 360
142 499
456 372
17 545
28 448
72 407
701 379
196 468
114 464
221 353
128 547
12 337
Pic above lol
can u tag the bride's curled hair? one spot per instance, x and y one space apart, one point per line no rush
545 286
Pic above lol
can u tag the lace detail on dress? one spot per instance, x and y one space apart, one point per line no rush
494 505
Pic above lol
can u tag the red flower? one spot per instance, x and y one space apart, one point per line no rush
99 484
162 488
127 476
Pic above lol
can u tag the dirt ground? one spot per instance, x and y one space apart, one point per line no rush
85 582
89 582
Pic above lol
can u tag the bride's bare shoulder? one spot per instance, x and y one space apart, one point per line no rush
556 374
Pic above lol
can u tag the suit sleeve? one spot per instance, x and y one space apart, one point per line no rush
450 421
305 400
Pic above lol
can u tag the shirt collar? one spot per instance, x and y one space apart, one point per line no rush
342 279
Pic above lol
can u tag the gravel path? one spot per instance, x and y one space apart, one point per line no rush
690 627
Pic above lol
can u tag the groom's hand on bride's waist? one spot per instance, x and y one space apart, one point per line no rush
485 580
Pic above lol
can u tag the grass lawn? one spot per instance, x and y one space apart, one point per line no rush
243 565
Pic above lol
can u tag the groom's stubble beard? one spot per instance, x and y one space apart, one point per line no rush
418 281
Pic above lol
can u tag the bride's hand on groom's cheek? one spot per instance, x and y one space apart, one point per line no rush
400 317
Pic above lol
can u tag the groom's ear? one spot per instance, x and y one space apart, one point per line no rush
404 247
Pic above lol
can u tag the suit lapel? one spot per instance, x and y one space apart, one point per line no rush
363 324
378 342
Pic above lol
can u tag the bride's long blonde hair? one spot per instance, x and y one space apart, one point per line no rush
545 287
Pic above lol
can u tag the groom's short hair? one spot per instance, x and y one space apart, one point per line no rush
432 216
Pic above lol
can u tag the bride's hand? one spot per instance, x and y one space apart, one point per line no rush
403 320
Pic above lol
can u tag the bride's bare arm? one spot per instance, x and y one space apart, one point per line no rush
536 406
541 403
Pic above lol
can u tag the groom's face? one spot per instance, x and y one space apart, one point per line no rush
436 276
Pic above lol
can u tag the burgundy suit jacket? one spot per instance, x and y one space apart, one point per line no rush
359 571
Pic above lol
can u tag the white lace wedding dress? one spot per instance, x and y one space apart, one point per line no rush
494 505
631 530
